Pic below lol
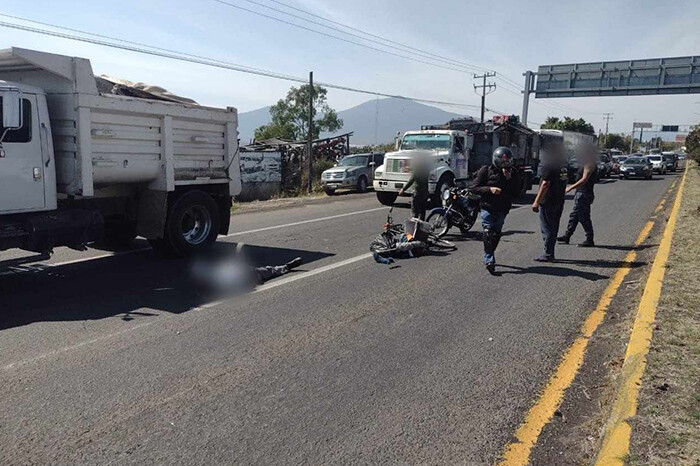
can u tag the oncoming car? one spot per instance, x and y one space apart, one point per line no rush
657 164
636 166
353 171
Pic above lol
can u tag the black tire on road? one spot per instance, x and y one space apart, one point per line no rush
362 184
329 191
386 198
192 225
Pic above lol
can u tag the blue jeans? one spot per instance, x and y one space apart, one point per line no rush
581 214
492 223
550 215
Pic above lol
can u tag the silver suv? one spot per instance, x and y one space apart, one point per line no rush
354 171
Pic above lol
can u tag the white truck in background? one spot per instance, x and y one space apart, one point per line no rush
77 166
448 150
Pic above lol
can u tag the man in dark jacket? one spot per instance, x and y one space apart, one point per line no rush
498 184
549 202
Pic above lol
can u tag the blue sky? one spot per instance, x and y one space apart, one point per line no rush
509 36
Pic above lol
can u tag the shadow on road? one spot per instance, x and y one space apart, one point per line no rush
550 270
118 286
620 247
601 263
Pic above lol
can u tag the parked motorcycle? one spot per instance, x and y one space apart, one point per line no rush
460 208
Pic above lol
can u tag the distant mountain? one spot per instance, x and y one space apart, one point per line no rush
373 121
248 122
377 121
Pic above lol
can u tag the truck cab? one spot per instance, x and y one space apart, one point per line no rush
79 165
27 174
448 152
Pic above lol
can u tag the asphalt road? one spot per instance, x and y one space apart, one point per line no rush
115 360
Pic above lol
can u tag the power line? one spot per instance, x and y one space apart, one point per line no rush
291 7
289 23
422 53
366 36
174 55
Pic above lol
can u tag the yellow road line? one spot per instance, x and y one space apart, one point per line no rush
617 432
518 452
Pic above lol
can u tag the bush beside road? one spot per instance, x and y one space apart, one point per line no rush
666 429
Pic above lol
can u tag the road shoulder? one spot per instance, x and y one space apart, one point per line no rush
574 433
666 429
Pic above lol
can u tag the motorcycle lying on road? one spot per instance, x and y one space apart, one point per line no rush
460 208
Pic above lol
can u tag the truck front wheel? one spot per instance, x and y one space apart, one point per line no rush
387 198
192 225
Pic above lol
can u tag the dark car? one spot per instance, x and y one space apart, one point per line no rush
605 166
670 159
636 166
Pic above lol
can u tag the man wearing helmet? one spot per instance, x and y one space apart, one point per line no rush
498 184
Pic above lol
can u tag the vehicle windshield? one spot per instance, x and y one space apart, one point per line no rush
353 161
654 158
621 159
426 141
635 161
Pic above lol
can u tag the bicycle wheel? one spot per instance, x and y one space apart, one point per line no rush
440 243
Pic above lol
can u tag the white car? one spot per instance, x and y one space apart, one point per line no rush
657 164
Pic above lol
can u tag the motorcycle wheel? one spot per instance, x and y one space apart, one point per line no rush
469 222
439 221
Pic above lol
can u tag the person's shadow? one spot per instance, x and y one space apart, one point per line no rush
549 270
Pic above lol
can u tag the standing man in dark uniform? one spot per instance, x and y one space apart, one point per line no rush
420 172
585 181
549 201
498 184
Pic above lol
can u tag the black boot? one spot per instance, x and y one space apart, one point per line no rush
587 244
294 263
564 239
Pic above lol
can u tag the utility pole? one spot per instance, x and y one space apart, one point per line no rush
608 117
632 140
309 144
529 89
485 90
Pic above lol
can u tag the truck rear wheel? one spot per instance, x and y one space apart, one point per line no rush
192 226
387 198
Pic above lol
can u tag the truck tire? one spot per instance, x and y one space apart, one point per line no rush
118 234
387 198
192 226
445 183
329 191
362 184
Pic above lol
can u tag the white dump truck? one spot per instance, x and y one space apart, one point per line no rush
78 166
448 150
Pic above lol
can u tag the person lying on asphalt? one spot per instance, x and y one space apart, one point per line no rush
498 184
234 275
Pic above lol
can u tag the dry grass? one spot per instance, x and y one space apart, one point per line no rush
666 430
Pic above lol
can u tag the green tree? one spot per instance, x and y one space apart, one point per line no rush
569 124
290 116
692 143
618 141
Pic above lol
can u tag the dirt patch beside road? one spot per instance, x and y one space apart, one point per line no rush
666 429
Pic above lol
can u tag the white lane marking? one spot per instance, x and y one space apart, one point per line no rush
274 284
303 222
40 267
